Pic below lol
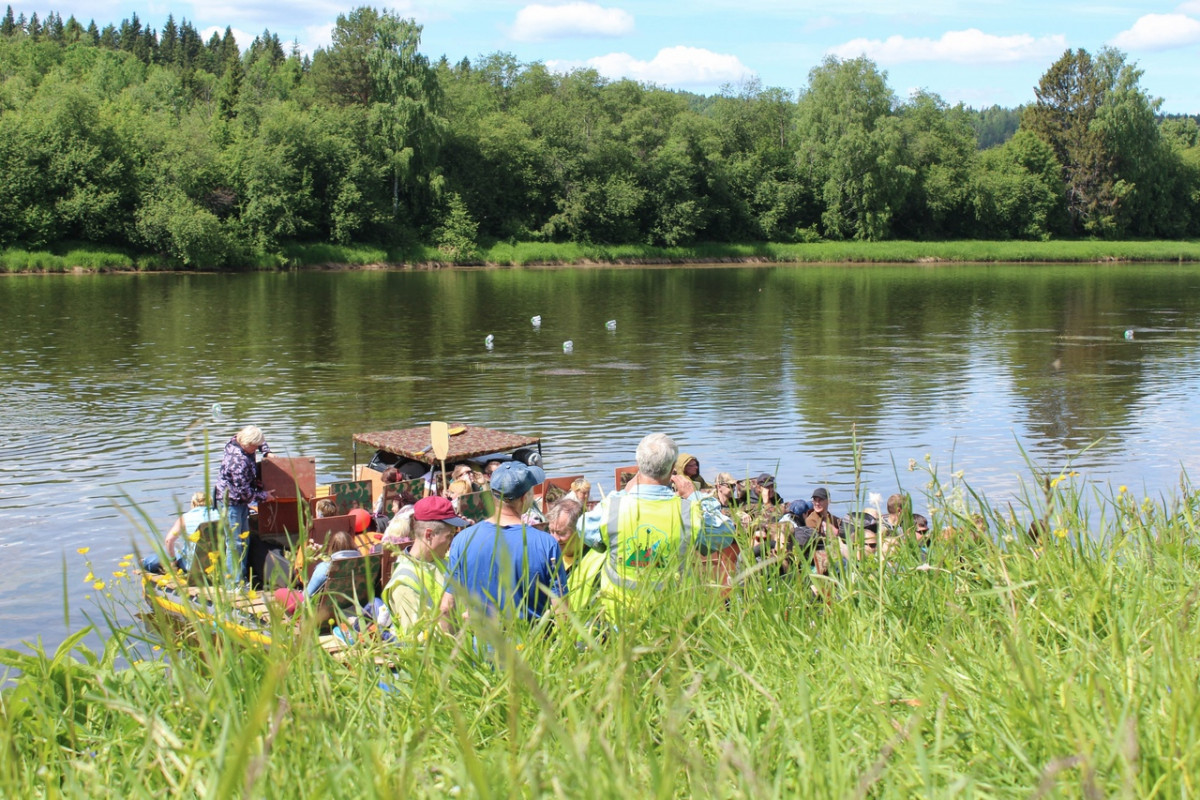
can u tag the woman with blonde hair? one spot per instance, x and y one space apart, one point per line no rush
186 524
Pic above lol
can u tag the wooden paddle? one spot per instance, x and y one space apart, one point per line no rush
439 436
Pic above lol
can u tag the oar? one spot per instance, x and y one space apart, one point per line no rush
439 436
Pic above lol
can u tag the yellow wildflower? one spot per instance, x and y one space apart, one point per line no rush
1060 533
194 536
1122 489
1057 481
212 555
83 551
98 585
252 595
89 577
244 535
156 648
124 564
208 570
120 573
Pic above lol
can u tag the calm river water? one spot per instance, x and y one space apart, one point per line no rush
108 383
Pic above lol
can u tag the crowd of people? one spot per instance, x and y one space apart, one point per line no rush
531 562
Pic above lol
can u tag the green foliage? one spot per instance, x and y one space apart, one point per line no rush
104 132
1016 190
994 125
175 226
993 667
456 234
851 147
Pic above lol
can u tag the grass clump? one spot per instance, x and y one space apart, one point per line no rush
987 666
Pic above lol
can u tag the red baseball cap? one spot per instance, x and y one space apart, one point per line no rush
437 509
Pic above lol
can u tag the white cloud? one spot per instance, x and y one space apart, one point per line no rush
317 37
1189 7
536 22
971 46
1160 32
672 66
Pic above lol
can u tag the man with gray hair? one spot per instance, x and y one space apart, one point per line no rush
652 527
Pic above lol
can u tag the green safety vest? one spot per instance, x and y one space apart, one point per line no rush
648 541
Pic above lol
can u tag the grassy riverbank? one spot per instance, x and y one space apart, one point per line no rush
1003 671
541 253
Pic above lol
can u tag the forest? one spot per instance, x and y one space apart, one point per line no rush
199 154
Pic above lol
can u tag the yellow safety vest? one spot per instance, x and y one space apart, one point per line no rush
648 542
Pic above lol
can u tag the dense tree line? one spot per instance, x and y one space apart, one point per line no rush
162 142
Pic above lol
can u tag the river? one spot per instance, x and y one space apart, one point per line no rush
108 384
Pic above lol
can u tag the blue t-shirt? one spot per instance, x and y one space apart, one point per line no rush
193 518
513 570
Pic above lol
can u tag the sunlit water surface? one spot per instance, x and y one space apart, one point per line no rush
107 384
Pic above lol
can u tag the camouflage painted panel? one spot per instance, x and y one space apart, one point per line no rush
350 494
353 581
476 506
416 487
623 476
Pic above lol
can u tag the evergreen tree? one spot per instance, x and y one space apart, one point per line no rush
8 26
190 46
54 27
130 33
147 49
229 52
1068 97
73 31
92 34
168 43
109 39
35 28
229 89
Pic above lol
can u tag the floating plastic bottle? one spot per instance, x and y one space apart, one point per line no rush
611 324
489 341
1129 334
537 321
568 346
218 413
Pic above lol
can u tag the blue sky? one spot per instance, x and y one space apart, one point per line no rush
978 52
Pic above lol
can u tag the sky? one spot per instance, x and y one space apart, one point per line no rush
978 52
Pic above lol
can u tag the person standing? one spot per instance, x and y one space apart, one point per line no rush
505 567
239 485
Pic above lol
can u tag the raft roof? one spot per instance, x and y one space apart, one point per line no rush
415 443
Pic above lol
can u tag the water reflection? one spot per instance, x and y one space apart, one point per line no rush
107 383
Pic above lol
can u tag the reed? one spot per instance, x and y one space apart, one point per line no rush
522 254
989 666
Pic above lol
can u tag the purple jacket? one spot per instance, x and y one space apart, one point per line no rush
238 483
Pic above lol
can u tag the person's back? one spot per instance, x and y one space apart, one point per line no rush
505 568
509 568
648 531
649 537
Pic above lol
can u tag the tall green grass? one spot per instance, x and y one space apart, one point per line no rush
520 254
533 253
1002 670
